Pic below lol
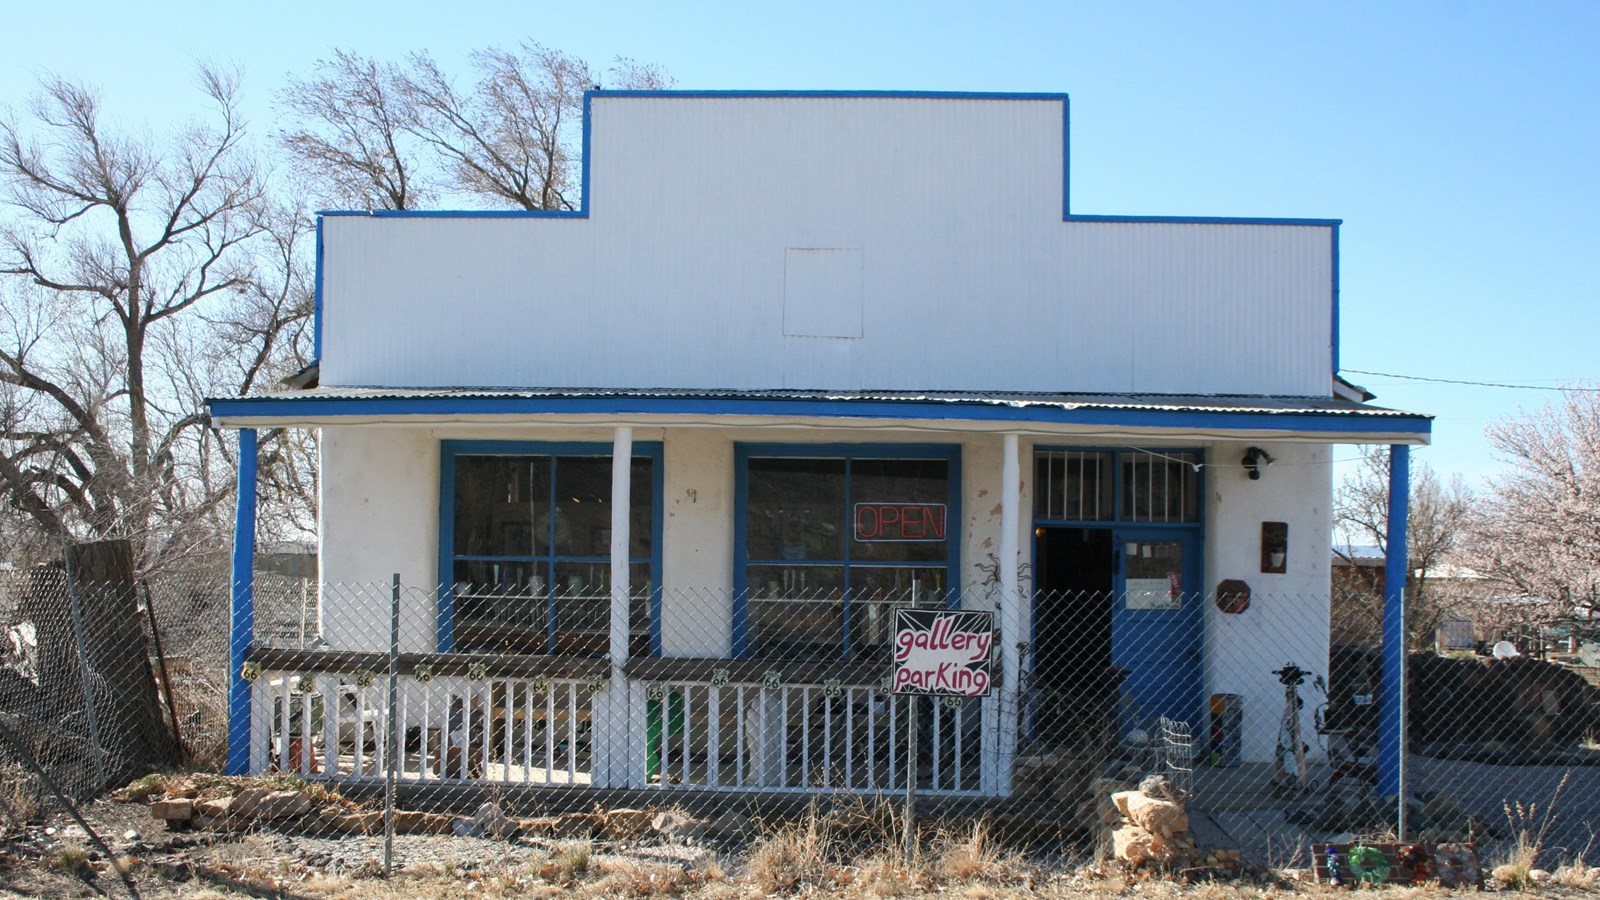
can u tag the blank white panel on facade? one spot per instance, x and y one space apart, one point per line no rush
836 243
821 292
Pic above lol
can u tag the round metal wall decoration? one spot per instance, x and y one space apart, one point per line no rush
1233 596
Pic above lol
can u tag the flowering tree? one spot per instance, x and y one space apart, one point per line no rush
1537 532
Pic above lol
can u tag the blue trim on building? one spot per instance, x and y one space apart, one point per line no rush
242 632
1334 324
1297 422
316 301
1207 220
831 95
1066 159
1116 523
1392 693
744 452
450 449
583 210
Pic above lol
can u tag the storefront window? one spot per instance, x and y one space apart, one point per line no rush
833 541
528 549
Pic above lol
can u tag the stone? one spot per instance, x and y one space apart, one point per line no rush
489 820
246 801
1123 799
366 822
579 825
1160 816
1133 845
542 827
1161 788
179 809
411 822
627 824
730 823
282 805
217 808
1538 876
675 824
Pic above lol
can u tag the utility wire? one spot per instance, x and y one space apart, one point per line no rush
1493 384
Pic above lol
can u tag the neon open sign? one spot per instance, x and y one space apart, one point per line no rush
899 522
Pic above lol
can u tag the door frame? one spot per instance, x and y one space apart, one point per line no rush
1191 533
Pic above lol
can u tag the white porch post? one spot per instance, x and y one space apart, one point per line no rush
612 743
1013 635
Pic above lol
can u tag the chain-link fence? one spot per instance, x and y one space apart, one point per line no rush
549 698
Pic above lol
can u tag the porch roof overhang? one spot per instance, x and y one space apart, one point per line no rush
1240 417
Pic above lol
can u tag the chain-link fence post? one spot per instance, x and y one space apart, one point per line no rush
392 721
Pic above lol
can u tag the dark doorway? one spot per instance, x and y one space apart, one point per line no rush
1074 684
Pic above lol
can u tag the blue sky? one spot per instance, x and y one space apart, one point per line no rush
1457 141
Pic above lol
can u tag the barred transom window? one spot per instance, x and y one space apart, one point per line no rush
1151 486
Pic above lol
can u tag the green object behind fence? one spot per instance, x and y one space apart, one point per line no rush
653 731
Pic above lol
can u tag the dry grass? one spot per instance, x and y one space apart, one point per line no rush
1576 874
973 856
637 878
71 858
571 862
1529 824
793 855
886 875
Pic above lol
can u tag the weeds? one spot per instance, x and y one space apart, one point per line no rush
1576 874
571 862
791 856
973 856
71 858
1528 830
637 878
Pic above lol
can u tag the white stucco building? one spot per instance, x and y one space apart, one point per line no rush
796 360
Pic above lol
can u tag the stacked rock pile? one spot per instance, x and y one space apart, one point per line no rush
1148 827
1153 827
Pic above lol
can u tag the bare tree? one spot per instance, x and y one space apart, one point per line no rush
121 258
388 136
1436 526
354 134
1538 535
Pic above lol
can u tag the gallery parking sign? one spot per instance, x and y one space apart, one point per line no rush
944 652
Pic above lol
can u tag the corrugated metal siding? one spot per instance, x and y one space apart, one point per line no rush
970 278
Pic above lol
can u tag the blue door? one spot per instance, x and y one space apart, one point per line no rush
1155 624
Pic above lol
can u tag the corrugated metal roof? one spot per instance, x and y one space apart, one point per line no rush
1218 403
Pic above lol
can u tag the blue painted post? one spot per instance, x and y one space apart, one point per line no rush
1391 722
243 630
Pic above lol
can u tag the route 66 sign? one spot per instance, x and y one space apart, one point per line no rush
772 681
655 691
720 677
832 688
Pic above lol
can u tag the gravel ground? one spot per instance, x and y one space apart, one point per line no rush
34 863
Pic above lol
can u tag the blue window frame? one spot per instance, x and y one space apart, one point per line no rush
830 537
1102 487
524 547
